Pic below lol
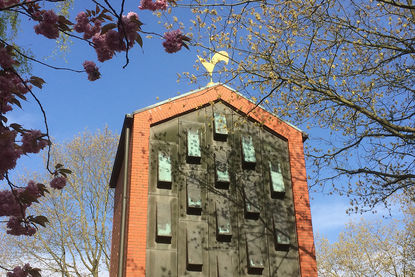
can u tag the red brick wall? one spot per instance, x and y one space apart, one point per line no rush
116 224
137 222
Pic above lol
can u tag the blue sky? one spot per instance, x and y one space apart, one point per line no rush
73 103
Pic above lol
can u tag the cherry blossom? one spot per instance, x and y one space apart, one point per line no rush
92 70
153 6
48 24
58 182
173 41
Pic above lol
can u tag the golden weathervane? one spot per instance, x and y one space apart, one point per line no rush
209 65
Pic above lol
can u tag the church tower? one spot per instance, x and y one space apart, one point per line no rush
210 184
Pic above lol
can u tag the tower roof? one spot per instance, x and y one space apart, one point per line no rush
195 99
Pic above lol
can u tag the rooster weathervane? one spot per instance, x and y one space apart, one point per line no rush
210 65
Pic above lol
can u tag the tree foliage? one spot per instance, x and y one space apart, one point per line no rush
345 67
104 26
77 240
371 249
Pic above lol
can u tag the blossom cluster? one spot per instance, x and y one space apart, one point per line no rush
48 23
153 6
83 25
92 70
20 272
111 41
173 41
10 151
13 203
8 3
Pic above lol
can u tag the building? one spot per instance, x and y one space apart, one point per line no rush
209 184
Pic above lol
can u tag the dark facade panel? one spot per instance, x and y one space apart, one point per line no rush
223 220
255 253
193 196
230 200
194 247
163 222
251 200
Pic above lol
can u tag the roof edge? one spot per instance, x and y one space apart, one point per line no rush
305 135
119 156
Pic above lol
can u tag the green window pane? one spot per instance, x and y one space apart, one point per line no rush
248 150
281 238
164 168
277 180
222 175
193 145
221 129
252 208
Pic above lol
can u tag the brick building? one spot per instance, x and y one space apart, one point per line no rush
209 184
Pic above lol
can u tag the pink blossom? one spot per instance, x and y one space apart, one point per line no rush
9 152
103 52
9 206
33 189
48 24
152 6
20 272
32 141
173 41
58 182
83 25
92 70
81 22
131 26
114 41
8 3
9 84
17 227
6 60
9 200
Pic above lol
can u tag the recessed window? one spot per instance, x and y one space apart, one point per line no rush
163 222
220 127
222 175
193 197
193 146
277 180
248 153
164 176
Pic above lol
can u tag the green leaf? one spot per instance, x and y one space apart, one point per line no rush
64 170
35 272
16 102
27 198
105 16
139 40
40 219
37 81
108 27
16 126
